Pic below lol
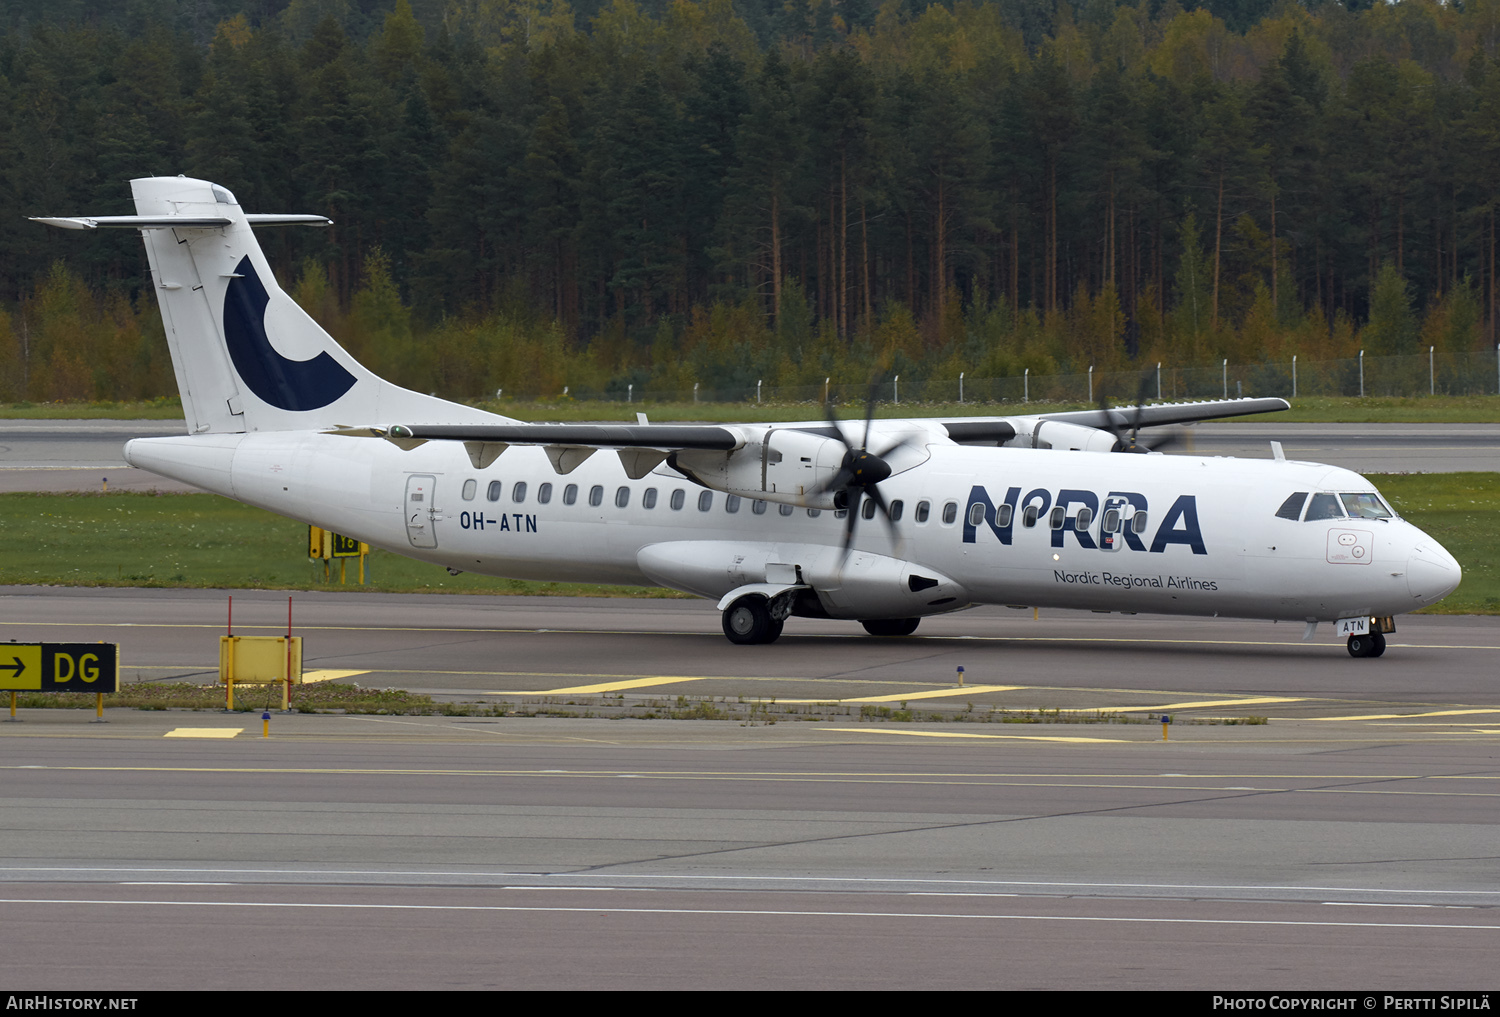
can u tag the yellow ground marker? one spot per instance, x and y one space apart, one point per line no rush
957 734
203 732
1410 716
1201 704
949 693
634 683
327 675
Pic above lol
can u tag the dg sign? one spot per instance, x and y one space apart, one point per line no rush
59 667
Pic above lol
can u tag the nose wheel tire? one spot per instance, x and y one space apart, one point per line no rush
1372 645
891 626
748 621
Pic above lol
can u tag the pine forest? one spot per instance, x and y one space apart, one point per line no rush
650 195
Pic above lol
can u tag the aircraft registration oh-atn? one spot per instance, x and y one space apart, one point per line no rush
1024 510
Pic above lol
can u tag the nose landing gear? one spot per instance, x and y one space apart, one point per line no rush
1371 645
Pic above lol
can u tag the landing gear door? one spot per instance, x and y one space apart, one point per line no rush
421 510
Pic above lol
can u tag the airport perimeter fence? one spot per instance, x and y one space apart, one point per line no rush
1426 374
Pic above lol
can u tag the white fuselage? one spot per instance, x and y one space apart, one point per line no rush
1209 541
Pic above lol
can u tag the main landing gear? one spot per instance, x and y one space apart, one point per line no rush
1372 645
751 619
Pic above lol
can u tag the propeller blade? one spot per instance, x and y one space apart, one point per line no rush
851 518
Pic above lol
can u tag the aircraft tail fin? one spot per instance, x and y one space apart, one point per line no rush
247 357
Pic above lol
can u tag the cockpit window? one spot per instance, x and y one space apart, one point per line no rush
1324 506
222 196
1365 506
1292 507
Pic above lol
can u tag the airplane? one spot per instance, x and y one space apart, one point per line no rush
1026 510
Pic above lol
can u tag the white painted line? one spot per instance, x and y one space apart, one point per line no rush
755 912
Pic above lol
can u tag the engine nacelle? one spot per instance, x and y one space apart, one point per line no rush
783 465
1033 432
863 586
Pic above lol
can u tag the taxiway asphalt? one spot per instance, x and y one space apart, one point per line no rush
1346 843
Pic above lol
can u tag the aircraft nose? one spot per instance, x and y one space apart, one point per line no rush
1431 572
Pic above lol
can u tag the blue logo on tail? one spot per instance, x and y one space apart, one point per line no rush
285 384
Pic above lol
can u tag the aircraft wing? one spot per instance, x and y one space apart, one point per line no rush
657 436
1169 413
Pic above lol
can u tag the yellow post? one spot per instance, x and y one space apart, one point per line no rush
13 705
265 725
99 705
229 696
1034 614
342 562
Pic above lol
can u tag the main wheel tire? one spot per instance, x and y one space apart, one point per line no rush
891 626
748 621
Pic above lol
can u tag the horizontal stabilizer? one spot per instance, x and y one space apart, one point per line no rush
176 222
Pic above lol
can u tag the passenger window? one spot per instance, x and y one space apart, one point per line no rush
1085 516
518 493
1111 522
622 497
786 510
1029 515
923 510
493 493
678 500
470 488
648 498
1292 507
1003 516
1058 517
868 511
1365 506
814 513
705 501
758 507
544 494
976 514
1324 506
1138 523
732 504
950 512
570 494
596 495
897 507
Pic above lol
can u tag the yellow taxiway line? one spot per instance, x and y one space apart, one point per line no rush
203 732
1409 716
901 697
958 734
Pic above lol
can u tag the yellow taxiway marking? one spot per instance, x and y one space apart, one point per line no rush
327 675
957 734
634 683
203 732
1409 716
901 697
1201 704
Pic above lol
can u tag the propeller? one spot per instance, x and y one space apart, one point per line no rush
860 472
1131 442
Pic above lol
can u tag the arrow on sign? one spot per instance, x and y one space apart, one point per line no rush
15 666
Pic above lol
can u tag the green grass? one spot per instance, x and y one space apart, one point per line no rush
205 541
1320 409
